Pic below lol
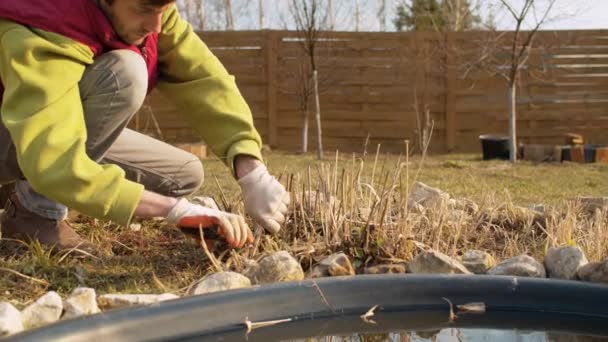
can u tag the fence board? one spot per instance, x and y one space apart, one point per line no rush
381 84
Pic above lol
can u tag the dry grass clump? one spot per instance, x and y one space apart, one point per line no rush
340 208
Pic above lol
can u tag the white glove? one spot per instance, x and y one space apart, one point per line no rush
265 198
189 215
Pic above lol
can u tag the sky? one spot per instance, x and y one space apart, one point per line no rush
571 15
566 15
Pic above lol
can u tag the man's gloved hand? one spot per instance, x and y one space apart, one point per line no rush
189 215
266 199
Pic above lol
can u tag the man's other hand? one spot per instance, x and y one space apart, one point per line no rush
266 199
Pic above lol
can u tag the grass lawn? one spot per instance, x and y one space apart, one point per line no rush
367 218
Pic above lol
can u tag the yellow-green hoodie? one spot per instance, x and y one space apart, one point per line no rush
42 110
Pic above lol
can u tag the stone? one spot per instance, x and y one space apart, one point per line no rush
521 266
466 205
114 301
435 262
478 262
426 196
277 267
456 216
46 310
82 301
135 227
333 266
524 214
206 202
250 267
364 212
386 269
10 319
316 201
596 272
221 281
539 208
592 204
564 262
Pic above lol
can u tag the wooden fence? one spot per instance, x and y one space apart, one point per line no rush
382 85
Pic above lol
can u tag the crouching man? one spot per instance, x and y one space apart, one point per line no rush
73 73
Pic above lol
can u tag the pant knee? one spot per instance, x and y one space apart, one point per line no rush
191 177
122 73
131 75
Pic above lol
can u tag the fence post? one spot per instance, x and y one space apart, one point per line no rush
450 93
272 40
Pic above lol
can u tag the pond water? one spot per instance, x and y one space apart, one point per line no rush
459 335
434 326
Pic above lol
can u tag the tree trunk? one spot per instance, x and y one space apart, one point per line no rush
513 121
228 12
261 14
200 12
331 19
305 131
315 80
382 15
357 16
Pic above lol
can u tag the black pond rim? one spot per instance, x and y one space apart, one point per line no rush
334 305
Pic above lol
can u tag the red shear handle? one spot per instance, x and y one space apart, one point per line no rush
198 221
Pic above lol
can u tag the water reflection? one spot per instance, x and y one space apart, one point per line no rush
458 335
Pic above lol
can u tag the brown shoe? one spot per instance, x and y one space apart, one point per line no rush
20 224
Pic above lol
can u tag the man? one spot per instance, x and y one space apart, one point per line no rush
74 73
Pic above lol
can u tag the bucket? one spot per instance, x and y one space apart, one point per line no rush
591 152
494 146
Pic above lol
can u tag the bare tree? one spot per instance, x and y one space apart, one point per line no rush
517 50
309 19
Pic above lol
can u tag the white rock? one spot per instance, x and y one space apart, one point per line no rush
596 272
522 266
250 268
335 265
277 267
478 262
221 281
592 204
427 196
539 208
564 262
465 205
314 200
113 301
46 310
10 319
82 301
435 262
135 227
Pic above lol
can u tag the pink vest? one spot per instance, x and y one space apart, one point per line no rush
79 20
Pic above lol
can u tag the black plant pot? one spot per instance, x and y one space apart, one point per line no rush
590 153
494 146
